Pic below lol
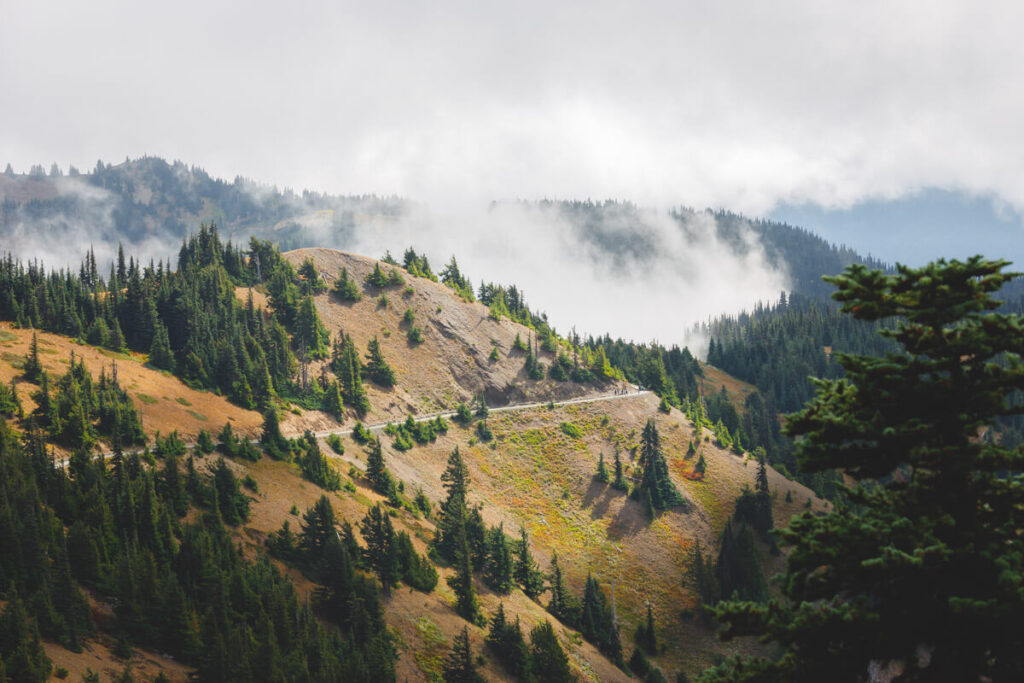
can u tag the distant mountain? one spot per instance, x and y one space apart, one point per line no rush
625 232
151 204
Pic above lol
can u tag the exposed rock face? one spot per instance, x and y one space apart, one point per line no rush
451 364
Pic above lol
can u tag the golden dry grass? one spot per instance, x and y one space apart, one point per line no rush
451 364
164 402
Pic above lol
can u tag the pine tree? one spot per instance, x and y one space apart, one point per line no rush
462 581
921 559
646 637
498 568
459 666
506 640
160 354
346 287
273 441
377 278
381 552
701 577
376 367
33 370
563 605
527 574
453 509
310 332
602 472
597 623
346 364
655 483
332 401
318 526
548 657
619 482
763 521
377 473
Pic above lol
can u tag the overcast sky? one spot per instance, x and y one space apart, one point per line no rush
742 105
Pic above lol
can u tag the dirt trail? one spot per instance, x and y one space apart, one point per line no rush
379 426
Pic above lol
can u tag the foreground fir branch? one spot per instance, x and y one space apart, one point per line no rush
921 571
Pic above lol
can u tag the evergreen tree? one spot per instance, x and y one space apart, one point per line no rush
462 581
498 568
763 521
527 574
454 510
346 364
381 553
377 473
563 605
314 464
646 637
916 571
346 287
310 333
160 354
377 278
655 483
318 526
274 443
602 472
505 639
548 657
459 666
417 571
619 482
701 577
32 371
376 367
597 624
332 401
311 282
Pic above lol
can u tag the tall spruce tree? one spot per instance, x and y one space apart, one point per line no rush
498 567
459 665
453 508
381 552
548 658
346 288
526 572
376 367
922 570
655 484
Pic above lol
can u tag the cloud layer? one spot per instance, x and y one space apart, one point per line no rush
739 105
677 276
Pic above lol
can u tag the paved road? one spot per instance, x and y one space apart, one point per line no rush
379 426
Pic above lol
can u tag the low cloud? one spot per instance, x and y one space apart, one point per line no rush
641 276
58 233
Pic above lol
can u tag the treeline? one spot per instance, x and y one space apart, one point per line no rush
778 347
176 195
117 529
736 572
75 410
191 323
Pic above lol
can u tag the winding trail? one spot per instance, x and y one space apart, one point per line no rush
379 426
498 409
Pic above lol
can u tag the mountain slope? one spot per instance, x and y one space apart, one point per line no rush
452 363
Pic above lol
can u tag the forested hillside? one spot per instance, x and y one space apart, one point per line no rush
319 335
149 203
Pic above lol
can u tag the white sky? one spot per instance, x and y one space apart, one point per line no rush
741 105
738 104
